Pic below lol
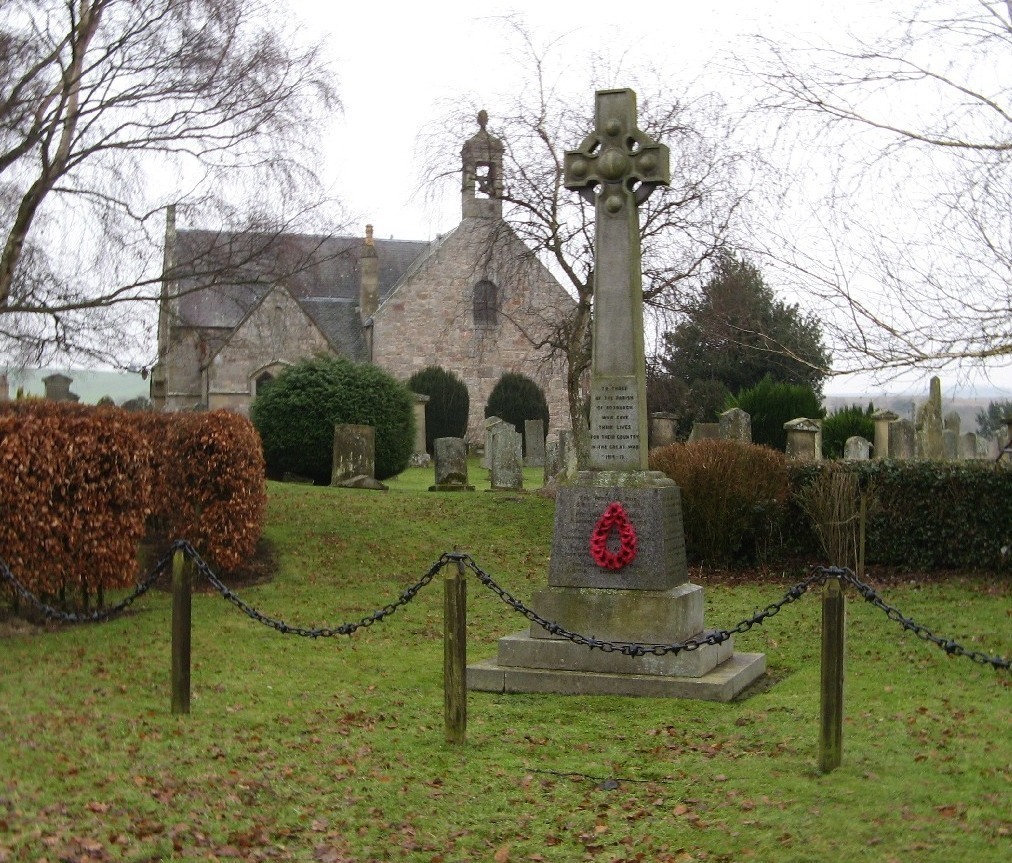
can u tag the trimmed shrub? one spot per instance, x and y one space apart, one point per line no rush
516 398
447 410
296 416
771 403
844 423
734 496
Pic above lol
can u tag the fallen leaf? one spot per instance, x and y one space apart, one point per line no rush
502 855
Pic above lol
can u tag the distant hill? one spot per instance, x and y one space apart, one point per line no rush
88 384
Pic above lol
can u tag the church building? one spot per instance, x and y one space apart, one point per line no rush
236 309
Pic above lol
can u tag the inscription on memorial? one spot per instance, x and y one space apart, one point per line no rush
614 424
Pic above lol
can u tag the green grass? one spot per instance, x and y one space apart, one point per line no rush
333 750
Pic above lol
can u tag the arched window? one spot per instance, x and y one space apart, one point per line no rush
486 304
263 381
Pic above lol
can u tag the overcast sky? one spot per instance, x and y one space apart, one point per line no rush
402 65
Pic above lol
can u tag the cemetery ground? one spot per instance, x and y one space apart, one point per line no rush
333 749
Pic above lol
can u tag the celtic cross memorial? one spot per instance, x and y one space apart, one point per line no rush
617 167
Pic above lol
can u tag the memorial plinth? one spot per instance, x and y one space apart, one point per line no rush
618 570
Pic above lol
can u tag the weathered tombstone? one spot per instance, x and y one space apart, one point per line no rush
882 419
989 448
902 440
736 424
551 456
451 465
804 439
952 421
617 567
534 440
967 447
58 388
663 427
506 459
857 448
932 422
950 444
704 431
420 457
490 424
354 464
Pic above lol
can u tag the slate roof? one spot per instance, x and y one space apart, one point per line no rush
220 277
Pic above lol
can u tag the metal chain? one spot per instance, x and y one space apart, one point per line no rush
94 617
947 644
629 648
322 632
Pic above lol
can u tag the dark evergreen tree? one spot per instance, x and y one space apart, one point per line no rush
991 422
516 398
448 406
843 423
772 403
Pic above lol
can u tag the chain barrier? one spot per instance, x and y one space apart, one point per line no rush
322 632
96 616
630 648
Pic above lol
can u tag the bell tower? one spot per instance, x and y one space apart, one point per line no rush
481 189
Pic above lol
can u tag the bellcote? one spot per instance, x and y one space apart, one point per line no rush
481 189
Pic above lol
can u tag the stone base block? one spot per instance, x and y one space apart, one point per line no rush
721 684
520 649
451 487
646 616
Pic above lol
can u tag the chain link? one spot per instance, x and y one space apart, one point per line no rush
51 613
323 632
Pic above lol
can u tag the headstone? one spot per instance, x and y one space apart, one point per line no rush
857 448
736 424
568 456
989 448
617 568
551 456
354 464
420 457
902 440
704 431
950 444
506 458
663 428
490 424
451 465
967 448
534 439
952 421
58 388
5 392
882 420
932 422
804 439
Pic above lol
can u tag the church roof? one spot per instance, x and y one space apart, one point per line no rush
220 277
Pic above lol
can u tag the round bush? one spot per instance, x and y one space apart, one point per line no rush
772 403
516 398
296 416
448 406
845 423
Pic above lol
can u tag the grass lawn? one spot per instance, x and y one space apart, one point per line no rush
332 750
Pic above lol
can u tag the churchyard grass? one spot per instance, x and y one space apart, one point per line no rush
333 750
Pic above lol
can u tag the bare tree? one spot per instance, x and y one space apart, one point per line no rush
112 110
909 252
682 226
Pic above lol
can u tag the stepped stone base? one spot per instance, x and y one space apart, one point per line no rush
723 683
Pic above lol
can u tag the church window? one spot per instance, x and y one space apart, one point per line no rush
263 381
486 304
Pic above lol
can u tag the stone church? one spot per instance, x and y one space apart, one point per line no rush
236 309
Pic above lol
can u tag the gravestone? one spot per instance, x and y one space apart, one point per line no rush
617 569
736 424
932 422
568 457
451 464
506 458
856 448
804 439
902 440
966 449
490 424
704 431
952 421
420 457
663 428
950 444
354 464
551 456
534 439
882 419
58 388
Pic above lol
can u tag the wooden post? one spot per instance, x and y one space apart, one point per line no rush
181 569
455 655
834 607
862 527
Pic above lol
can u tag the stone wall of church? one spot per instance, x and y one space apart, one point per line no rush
429 320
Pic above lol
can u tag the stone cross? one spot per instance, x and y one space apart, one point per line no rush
617 166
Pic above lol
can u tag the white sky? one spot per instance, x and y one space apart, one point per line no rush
399 66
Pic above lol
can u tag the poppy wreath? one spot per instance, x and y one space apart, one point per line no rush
614 517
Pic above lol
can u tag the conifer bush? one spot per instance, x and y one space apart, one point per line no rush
516 398
449 403
844 423
296 416
734 496
772 403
